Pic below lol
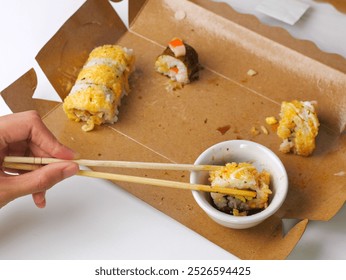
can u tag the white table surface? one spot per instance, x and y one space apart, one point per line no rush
94 219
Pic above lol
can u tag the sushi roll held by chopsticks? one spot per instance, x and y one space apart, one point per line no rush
179 62
99 87
241 176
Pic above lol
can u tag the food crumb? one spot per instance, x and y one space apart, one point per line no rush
265 131
341 173
254 131
173 86
271 120
161 200
251 72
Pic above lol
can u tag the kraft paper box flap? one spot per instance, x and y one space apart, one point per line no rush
155 125
23 90
134 8
95 23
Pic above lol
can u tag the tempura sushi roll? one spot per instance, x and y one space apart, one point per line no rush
298 127
99 87
179 62
242 176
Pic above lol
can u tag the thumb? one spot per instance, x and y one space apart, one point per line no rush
39 180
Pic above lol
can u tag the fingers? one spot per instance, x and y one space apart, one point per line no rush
35 182
25 132
30 128
43 143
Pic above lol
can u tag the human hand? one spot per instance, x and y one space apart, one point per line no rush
24 134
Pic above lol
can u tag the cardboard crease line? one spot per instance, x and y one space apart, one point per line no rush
141 144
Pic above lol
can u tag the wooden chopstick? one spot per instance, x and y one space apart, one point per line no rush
142 180
113 163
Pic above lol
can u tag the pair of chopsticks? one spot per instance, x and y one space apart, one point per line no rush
32 163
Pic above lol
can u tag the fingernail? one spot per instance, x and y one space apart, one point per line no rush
76 155
41 204
40 200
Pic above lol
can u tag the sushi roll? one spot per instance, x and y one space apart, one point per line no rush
243 176
100 85
179 62
298 127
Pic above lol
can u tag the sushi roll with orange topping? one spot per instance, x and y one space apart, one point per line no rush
298 127
242 176
179 62
99 87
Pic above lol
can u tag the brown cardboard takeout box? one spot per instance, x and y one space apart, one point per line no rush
158 126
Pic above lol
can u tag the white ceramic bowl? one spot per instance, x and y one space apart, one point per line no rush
241 151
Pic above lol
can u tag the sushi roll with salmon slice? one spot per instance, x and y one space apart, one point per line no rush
298 127
100 86
242 176
179 62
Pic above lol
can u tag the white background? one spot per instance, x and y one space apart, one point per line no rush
93 219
